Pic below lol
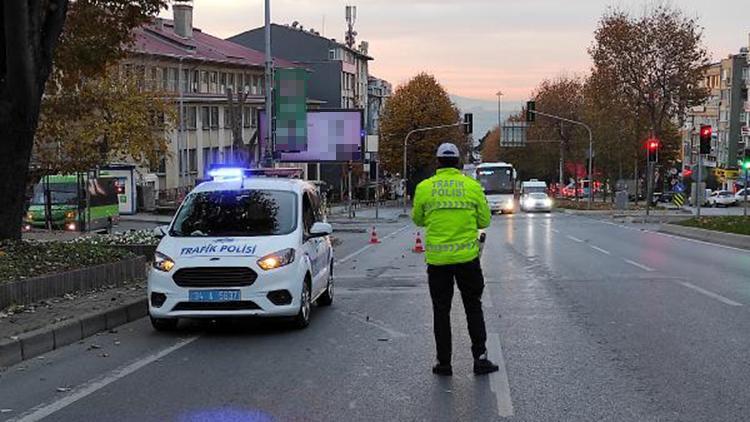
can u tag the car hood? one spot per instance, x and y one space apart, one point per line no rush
189 248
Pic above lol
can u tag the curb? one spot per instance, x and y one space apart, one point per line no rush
43 340
733 240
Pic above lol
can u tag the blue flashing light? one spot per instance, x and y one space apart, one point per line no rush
226 173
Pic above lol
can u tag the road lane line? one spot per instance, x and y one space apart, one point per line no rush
604 251
42 411
712 295
499 380
365 248
641 266
555 231
575 239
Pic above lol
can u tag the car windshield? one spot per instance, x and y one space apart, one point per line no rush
496 180
236 213
534 189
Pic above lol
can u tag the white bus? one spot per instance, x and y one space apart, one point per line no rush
499 183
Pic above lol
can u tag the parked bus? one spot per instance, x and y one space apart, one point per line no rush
499 183
76 203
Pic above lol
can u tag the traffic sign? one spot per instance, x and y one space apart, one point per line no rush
678 199
679 187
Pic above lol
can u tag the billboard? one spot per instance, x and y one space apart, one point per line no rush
332 135
290 109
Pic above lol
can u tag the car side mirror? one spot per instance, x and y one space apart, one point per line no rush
161 231
321 229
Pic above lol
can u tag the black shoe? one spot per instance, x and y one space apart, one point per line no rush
483 366
442 369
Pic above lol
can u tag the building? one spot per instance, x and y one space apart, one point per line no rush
726 112
378 92
172 56
339 73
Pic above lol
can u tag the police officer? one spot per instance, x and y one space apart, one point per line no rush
452 207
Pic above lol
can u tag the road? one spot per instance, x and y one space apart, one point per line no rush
590 321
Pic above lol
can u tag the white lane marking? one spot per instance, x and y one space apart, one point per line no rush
44 410
499 380
555 231
604 251
712 295
575 239
365 248
641 266
366 319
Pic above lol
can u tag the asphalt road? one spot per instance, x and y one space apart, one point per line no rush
590 321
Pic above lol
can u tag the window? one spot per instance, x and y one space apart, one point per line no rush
185 82
214 83
223 83
227 117
205 118
192 117
308 214
206 160
214 117
745 74
162 165
247 121
230 82
173 76
204 81
228 158
192 160
196 81
248 83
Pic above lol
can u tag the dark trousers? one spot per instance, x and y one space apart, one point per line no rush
470 282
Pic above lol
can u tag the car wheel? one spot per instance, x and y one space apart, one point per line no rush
164 324
326 299
302 320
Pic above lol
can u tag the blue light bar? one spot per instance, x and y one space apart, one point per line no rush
226 173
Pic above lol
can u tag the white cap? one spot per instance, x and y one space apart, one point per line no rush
448 150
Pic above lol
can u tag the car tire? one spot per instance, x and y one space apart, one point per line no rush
164 324
302 320
326 299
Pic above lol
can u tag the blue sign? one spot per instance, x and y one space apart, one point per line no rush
679 187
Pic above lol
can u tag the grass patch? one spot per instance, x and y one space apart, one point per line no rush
727 224
20 259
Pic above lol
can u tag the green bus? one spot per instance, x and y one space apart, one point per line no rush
76 203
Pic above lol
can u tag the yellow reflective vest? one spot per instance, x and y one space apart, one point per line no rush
452 207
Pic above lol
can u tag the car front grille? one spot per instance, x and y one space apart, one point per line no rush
238 305
215 277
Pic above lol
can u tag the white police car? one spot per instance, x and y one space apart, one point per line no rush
243 245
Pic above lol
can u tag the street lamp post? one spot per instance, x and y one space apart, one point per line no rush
269 83
591 150
499 111
406 141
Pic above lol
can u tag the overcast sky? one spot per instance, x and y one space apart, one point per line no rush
474 47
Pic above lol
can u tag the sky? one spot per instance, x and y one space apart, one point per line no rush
474 47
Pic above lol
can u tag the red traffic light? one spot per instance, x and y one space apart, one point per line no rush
706 132
652 144
687 173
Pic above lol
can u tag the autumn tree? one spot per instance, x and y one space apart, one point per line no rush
655 61
491 146
82 38
419 103
104 120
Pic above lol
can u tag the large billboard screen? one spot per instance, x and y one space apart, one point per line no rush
290 108
332 135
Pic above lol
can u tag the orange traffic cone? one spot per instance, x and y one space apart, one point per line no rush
418 248
374 236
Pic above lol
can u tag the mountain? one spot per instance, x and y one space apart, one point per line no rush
485 112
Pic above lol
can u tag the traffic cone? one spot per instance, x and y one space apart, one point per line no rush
418 248
374 236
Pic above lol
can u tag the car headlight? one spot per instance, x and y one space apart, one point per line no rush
70 215
30 216
277 259
163 262
547 202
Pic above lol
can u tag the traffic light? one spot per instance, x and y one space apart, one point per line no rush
746 160
705 136
530 111
652 145
468 123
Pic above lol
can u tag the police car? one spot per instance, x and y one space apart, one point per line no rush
243 244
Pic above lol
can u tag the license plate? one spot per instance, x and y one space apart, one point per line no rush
213 295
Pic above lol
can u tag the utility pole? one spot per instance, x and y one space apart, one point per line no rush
269 87
499 111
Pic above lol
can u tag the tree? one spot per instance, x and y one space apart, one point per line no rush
491 146
106 119
655 62
95 35
29 34
421 102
